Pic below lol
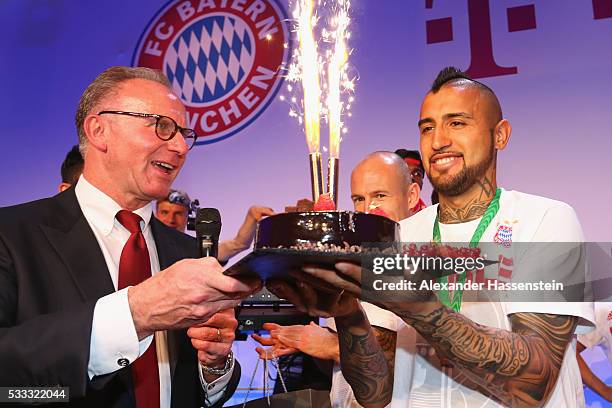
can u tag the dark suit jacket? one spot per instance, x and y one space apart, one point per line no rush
52 271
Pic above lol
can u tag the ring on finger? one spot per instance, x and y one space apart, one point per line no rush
218 338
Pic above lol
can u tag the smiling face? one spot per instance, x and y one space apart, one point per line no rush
129 162
378 182
457 125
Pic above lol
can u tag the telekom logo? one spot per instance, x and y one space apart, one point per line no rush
482 61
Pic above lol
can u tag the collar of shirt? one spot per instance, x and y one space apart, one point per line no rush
100 210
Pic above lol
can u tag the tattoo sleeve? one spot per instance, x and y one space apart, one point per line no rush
386 339
518 367
363 361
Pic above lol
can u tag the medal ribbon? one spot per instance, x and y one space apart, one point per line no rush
489 214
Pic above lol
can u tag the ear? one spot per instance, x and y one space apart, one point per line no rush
414 192
96 131
501 134
64 186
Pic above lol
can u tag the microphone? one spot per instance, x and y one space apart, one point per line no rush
208 228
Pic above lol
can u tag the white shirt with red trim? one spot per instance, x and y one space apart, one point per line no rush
521 218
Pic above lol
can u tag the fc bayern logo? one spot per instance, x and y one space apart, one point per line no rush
222 57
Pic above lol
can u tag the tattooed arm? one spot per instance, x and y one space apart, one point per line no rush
318 342
519 367
367 355
387 339
364 364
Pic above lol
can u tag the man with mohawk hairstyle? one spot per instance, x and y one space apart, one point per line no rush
476 354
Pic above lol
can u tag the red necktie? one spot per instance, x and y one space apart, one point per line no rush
135 267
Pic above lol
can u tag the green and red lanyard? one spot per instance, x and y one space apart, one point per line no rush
489 214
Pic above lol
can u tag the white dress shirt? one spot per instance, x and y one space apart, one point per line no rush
114 342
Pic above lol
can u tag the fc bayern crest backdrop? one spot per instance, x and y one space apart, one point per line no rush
222 57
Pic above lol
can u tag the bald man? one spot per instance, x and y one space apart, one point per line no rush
381 181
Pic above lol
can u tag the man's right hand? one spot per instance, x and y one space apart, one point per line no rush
314 340
186 294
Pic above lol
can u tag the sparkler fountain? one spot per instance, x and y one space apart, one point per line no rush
320 67
311 91
322 237
336 69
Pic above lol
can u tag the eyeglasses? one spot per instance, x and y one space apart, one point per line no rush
165 127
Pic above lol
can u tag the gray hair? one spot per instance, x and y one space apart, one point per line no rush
105 85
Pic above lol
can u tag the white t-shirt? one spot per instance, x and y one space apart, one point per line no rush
521 218
602 335
341 394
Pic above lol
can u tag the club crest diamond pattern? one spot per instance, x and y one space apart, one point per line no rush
222 58
503 236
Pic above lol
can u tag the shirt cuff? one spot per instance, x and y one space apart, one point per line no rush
114 343
591 339
214 390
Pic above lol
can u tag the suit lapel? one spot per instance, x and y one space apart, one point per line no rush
70 235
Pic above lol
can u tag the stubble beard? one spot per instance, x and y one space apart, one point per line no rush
466 178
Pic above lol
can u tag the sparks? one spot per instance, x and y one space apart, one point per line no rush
309 72
336 71
319 86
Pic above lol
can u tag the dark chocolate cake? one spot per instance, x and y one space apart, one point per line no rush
289 241
332 230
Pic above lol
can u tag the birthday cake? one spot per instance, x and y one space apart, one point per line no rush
326 231
288 241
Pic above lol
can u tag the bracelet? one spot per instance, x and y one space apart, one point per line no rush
220 371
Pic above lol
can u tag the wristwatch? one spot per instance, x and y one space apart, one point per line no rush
220 371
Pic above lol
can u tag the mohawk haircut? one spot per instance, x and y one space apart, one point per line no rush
448 74
453 74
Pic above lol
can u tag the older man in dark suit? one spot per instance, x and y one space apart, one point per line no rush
95 293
